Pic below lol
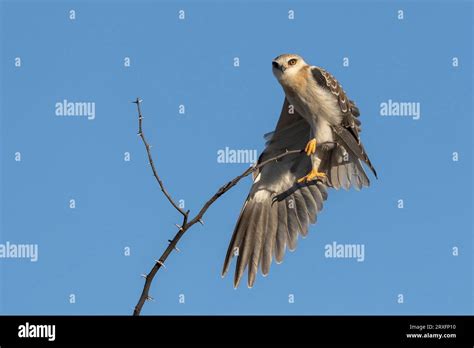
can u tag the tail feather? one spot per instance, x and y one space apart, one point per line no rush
344 169
352 145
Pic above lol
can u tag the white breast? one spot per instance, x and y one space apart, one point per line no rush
314 102
323 103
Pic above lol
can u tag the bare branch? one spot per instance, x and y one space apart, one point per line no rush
138 101
185 224
226 187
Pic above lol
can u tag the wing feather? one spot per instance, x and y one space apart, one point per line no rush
301 213
292 221
310 204
350 127
282 233
270 239
277 208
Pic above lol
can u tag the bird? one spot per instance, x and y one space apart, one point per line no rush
287 194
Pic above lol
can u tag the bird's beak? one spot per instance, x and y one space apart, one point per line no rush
278 66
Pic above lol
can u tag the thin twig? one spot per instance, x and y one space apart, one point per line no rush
150 159
185 224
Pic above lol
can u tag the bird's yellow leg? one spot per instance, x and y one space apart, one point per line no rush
313 174
310 147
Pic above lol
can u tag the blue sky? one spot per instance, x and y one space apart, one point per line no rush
190 62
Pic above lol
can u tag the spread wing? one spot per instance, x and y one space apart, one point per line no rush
349 147
277 209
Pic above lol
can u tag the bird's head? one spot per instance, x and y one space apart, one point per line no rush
287 65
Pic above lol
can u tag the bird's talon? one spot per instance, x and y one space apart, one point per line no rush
313 174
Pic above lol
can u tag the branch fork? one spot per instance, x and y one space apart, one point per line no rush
187 223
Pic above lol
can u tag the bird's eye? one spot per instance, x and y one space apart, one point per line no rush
292 61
